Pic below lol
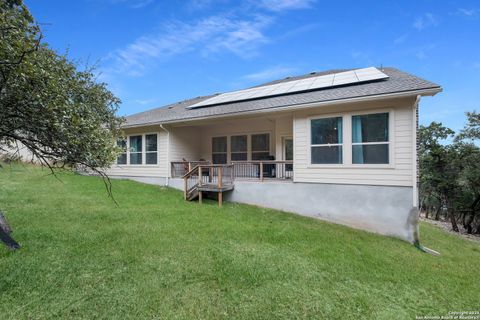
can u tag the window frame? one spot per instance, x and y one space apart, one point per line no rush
125 149
327 144
388 142
143 152
237 152
249 142
227 138
269 140
347 153
147 152
129 152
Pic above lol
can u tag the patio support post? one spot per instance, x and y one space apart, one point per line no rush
261 171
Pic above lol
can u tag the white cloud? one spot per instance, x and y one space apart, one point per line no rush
421 52
280 5
471 13
144 101
425 21
210 35
362 58
401 39
269 74
136 4
421 55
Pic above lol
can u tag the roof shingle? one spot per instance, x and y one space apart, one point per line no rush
398 81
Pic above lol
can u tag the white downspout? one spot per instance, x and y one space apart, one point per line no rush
168 154
415 151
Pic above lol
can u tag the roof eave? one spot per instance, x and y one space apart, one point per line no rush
420 92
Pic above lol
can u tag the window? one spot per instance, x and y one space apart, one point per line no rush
151 148
370 141
326 141
238 148
219 150
122 157
135 149
260 146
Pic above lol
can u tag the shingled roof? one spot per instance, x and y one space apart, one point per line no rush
398 82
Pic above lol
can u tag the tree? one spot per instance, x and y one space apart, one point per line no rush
60 113
469 161
438 173
450 172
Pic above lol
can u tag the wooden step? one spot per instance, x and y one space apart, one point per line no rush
193 195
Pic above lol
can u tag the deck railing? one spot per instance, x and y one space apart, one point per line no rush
180 168
214 176
263 169
257 170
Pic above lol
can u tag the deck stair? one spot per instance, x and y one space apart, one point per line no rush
209 178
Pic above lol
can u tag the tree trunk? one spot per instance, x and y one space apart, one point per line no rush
453 221
467 223
437 213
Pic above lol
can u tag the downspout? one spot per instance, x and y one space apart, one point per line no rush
168 154
414 216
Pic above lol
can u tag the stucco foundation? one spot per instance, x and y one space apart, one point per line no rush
149 180
381 209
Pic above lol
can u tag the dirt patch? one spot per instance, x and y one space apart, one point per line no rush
445 225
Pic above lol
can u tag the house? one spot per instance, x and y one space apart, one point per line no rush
338 145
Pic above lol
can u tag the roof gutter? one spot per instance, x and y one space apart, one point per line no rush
402 94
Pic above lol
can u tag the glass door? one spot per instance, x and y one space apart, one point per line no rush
288 155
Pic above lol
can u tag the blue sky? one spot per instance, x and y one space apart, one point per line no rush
154 52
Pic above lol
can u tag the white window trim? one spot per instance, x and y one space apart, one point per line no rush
269 150
249 142
327 144
129 152
144 158
227 152
347 140
237 152
145 148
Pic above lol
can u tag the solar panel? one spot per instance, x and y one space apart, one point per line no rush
312 83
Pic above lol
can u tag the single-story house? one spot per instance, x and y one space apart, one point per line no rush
339 145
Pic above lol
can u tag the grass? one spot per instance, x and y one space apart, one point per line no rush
158 257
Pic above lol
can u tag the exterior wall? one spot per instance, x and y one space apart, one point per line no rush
158 170
381 209
147 180
399 173
18 152
232 127
185 143
283 129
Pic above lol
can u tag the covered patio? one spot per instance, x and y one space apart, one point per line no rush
257 149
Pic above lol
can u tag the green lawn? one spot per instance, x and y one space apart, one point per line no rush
156 256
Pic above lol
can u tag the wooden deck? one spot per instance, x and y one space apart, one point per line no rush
202 176
210 187
208 178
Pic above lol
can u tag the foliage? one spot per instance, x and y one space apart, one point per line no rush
60 113
450 172
157 256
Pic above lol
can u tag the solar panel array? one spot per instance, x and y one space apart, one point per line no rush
312 83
